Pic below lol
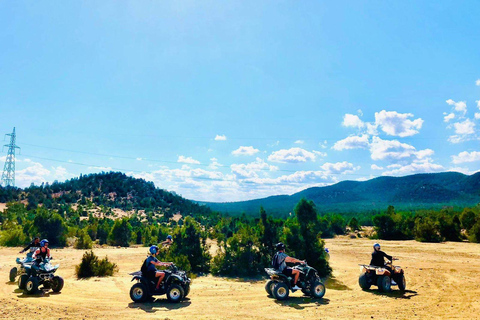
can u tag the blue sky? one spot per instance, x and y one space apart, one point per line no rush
234 100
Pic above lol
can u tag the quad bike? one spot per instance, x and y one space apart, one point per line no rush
280 285
382 277
20 271
176 285
42 274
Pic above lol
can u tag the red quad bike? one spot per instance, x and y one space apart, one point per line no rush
382 277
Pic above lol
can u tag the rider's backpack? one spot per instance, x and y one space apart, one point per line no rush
144 267
277 261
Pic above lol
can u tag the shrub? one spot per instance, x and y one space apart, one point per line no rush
14 237
427 230
121 233
83 241
51 226
91 266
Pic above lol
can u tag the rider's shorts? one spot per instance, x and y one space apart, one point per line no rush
288 272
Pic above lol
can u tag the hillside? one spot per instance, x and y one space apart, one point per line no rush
420 191
113 190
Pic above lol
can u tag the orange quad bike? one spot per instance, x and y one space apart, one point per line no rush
382 277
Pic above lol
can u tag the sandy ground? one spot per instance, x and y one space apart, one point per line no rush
443 282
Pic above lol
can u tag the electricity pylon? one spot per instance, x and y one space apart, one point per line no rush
8 176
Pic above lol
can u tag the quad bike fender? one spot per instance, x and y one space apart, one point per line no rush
398 270
175 278
382 272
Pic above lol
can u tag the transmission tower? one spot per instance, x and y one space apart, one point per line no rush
8 176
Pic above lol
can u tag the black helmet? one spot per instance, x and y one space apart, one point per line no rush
280 246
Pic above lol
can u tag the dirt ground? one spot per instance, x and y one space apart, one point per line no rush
443 282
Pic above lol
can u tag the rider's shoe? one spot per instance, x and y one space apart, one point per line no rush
393 283
295 287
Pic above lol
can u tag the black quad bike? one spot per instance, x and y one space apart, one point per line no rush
44 274
382 277
279 285
176 285
20 270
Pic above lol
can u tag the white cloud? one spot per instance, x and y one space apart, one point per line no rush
139 159
323 144
352 142
466 127
214 164
339 168
397 124
351 120
299 142
61 174
190 160
319 153
477 82
449 117
462 170
390 149
245 151
375 167
465 156
417 166
250 170
425 153
292 155
477 115
460 106
478 103
220 137
36 173
100 168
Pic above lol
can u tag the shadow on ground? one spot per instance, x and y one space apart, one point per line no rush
159 305
39 294
301 303
10 283
397 294
334 284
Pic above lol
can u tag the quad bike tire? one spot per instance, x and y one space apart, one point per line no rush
317 290
57 284
384 284
402 283
186 290
139 292
22 280
363 282
269 287
13 274
306 291
175 293
280 291
31 285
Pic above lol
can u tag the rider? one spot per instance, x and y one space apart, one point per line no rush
41 254
34 244
280 259
378 258
168 241
151 262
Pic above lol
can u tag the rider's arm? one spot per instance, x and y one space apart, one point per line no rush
387 256
293 260
35 253
48 252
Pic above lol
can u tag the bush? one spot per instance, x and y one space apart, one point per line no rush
14 237
427 230
474 232
83 241
91 266
51 226
121 233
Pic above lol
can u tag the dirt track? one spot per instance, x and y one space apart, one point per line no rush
442 282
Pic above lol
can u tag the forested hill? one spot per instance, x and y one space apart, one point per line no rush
112 189
419 191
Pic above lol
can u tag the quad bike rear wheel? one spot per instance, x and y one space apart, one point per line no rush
13 274
139 292
363 282
269 287
57 284
280 291
384 284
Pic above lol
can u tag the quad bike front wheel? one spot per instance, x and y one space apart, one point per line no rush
57 284
384 284
402 283
175 293
280 291
31 286
13 274
22 280
363 282
139 292
186 289
317 290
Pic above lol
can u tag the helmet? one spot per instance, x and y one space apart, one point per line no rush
153 249
169 237
376 245
280 246
326 250
43 242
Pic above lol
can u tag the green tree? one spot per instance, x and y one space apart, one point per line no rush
51 226
121 233
354 225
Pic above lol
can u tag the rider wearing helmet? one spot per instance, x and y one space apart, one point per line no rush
168 241
151 262
378 256
42 253
32 245
279 262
